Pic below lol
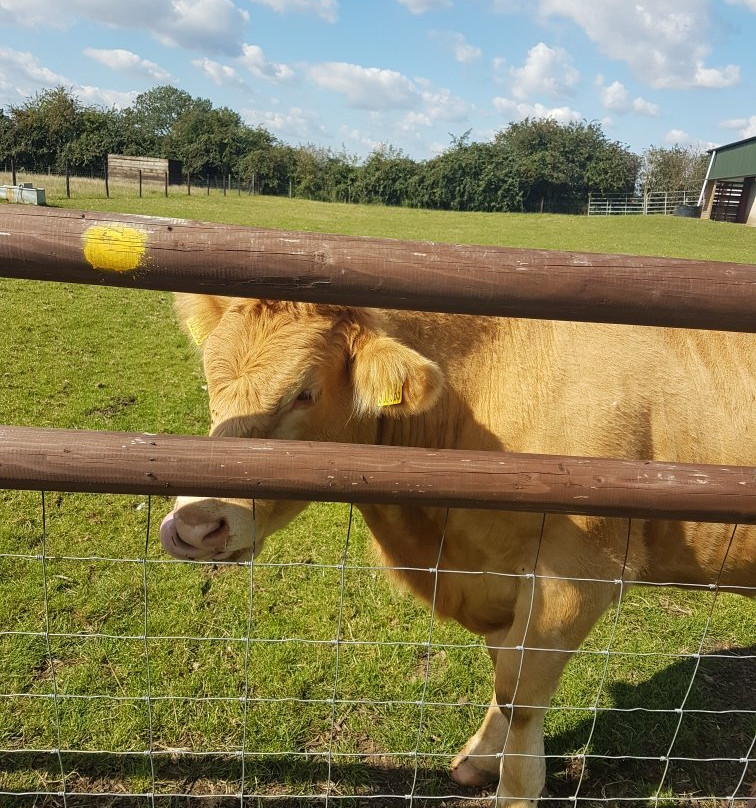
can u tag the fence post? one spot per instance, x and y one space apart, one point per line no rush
166 183
223 177
188 184
68 182
289 188
587 211
107 185
238 184
253 183
13 172
140 183
208 183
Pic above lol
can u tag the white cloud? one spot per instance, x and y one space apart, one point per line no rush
443 105
615 98
222 75
327 10
677 137
378 91
665 43
23 72
421 6
462 51
104 97
22 75
254 60
29 13
127 62
643 107
546 70
215 26
518 110
747 3
294 124
370 88
746 127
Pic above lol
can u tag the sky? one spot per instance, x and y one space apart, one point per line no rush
352 75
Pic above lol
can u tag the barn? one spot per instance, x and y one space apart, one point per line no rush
125 167
729 190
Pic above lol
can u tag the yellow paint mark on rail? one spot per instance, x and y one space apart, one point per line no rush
114 247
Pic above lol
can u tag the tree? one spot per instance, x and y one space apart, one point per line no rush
559 164
386 176
44 128
678 168
100 134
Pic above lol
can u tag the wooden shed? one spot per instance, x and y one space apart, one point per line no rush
125 167
729 190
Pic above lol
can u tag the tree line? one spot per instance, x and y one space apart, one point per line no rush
532 165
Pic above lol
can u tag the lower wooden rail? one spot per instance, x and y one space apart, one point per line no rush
134 463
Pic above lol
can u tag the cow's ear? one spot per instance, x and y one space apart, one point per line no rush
200 314
391 379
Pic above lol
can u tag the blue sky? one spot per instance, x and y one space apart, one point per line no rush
353 74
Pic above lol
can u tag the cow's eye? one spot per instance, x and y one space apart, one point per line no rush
306 398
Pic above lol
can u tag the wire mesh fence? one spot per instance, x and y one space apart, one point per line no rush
304 677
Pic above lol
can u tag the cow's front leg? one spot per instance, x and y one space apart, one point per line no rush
478 762
508 747
552 618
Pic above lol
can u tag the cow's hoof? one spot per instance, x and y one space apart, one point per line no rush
466 773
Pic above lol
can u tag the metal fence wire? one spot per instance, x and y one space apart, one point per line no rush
273 683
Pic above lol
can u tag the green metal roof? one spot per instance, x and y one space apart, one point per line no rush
734 160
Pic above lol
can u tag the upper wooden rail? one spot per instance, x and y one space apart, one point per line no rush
119 462
178 255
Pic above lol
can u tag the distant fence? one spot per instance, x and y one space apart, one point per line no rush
656 202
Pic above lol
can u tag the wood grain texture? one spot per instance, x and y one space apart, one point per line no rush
119 462
228 260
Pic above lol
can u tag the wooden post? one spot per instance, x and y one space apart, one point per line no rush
68 182
238 184
208 183
224 184
13 172
166 184
107 185
140 183
188 184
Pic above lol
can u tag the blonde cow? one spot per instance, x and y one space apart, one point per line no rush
317 372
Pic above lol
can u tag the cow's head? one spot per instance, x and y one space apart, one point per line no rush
288 370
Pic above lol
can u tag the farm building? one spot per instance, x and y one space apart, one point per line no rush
729 191
124 167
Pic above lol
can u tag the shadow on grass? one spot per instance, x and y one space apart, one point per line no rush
707 745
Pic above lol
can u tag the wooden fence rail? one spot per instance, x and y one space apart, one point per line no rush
178 255
119 462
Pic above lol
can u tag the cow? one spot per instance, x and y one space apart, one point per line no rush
335 373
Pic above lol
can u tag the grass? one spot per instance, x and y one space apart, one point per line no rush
86 357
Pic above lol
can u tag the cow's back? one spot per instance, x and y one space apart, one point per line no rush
603 391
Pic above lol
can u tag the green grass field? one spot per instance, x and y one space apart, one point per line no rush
85 638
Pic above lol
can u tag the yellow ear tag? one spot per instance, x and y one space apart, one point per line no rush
194 326
390 397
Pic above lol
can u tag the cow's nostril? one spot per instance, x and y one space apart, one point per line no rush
217 539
